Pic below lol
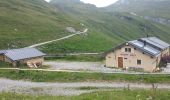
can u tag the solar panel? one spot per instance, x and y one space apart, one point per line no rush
156 42
145 48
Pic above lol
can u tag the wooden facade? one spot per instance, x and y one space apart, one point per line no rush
1 57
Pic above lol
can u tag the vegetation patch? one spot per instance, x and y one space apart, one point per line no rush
5 64
102 95
36 89
43 76
88 88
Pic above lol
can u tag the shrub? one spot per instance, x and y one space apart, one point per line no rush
164 61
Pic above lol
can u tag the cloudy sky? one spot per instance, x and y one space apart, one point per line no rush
98 3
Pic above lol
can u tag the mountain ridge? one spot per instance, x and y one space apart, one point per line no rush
154 8
30 22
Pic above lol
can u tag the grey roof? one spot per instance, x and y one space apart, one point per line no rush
2 51
23 53
150 45
156 42
145 48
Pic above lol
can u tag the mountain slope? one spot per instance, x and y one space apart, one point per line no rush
154 8
26 22
107 29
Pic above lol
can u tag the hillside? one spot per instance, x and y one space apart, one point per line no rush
25 22
153 10
107 29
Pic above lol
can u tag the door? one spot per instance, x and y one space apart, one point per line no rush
120 62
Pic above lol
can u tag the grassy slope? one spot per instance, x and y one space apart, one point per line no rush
154 8
106 29
103 95
27 22
115 29
36 76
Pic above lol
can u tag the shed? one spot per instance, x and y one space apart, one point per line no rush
30 56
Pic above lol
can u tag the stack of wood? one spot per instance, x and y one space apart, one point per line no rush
31 65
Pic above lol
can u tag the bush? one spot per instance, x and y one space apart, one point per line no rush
164 61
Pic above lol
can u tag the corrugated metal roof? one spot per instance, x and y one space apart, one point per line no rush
2 51
150 45
156 42
23 53
145 48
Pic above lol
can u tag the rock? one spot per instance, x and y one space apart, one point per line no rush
71 29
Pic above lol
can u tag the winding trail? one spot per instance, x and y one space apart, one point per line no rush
63 38
59 89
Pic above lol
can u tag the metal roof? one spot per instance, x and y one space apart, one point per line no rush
2 51
145 48
23 53
150 45
156 42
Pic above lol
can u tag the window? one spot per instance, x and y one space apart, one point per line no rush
127 49
151 57
139 62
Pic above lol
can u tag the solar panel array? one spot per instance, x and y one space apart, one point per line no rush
150 45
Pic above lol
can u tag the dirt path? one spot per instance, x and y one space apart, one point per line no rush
43 88
83 67
73 54
63 38
90 67
80 66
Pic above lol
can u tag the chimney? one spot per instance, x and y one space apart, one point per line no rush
144 42
147 35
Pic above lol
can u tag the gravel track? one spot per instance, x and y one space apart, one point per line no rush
62 89
80 66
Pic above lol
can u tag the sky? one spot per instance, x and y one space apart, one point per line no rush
98 3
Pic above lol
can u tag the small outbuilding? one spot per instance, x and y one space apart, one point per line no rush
144 53
29 56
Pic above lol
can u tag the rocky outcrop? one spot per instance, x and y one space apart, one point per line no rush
158 20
